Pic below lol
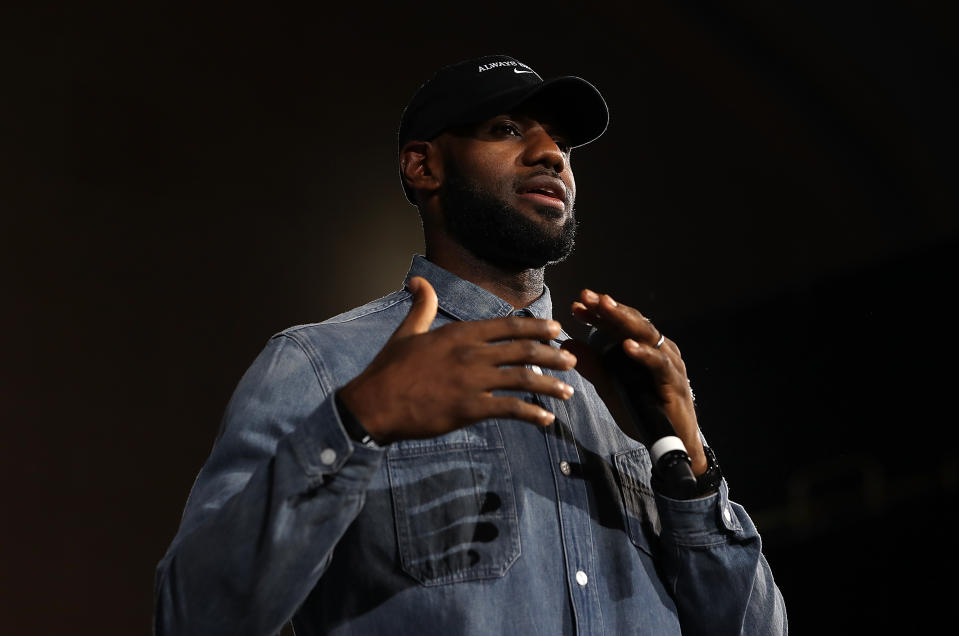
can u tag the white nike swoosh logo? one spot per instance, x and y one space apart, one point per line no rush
516 70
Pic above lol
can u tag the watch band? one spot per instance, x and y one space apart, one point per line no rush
709 481
706 484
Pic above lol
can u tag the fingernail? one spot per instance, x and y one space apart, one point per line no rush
568 357
632 344
566 389
611 301
591 296
548 418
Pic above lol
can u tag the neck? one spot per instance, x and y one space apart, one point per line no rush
517 287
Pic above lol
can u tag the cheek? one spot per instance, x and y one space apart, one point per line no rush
493 174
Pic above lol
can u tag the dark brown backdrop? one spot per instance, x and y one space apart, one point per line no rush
776 189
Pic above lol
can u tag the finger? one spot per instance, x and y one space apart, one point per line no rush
656 360
591 306
673 388
627 319
513 328
423 311
528 352
511 408
589 298
582 313
524 379
616 317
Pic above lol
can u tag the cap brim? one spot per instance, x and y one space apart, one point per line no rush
577 106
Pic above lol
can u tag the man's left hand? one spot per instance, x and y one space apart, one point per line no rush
639 341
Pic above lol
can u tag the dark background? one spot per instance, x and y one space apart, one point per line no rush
776 189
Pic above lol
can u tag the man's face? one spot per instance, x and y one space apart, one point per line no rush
508 192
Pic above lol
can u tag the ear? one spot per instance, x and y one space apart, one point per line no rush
421 166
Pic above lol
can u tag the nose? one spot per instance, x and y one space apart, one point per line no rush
541 149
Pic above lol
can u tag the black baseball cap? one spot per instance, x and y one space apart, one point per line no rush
474 90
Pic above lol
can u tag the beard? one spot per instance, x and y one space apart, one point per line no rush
496 232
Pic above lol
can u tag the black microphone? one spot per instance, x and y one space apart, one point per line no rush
672 467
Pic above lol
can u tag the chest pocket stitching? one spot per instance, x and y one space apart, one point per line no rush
639 502
445 537
464 438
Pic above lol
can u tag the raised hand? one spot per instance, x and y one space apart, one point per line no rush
426 383
642 342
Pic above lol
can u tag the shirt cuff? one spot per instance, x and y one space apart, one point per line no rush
700 522
323 447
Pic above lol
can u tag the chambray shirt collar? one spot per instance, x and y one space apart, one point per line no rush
465 301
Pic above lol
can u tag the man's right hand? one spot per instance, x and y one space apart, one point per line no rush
426 383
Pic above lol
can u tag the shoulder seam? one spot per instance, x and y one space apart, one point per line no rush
331 321
319 370
306 346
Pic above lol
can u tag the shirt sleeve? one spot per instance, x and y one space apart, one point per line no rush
281 486
713 563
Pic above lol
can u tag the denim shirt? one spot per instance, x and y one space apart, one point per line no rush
502 527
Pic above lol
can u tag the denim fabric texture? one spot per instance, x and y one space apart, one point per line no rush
499 528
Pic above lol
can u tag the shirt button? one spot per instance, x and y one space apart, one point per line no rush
535 369
328 456
564 468
581 578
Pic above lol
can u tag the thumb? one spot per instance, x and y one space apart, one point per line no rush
423 310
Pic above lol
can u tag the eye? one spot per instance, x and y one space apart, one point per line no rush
507 128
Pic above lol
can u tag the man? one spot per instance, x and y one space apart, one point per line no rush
434 462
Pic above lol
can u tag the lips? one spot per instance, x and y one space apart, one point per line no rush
546 189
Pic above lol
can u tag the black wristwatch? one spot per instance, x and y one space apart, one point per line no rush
352 425
709 481
706 484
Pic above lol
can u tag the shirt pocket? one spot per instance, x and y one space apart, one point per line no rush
639 503
454 505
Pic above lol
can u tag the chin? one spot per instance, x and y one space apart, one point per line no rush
553 214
